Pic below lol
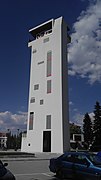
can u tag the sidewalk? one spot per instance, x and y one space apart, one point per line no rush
12 155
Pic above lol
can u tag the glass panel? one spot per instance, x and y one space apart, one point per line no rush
46 40
32 100
31 118
41 101
48 122
36 86
41 62
34 50
49 60
49 86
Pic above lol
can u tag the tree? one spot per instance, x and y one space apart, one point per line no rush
87 129
97 124
8 139
13 141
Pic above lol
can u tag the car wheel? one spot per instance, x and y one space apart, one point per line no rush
59 174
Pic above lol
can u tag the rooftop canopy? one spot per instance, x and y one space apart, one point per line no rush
41 28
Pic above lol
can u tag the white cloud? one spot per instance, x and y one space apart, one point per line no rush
78 118
91 116
12 121
85 47
75 109
70 103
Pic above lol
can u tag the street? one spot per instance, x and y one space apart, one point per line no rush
31 170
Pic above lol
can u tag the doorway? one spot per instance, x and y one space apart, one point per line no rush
46 141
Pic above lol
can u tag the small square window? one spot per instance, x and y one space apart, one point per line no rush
41 101
36 86
46 40
49 63
34 50
32 100
41 62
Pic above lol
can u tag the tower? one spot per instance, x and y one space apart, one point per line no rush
48 117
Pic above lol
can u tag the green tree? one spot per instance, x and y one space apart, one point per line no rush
8 139
97 124
87 129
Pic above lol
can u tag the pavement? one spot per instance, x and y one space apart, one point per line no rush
11 155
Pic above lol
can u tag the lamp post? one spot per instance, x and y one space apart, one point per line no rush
17 140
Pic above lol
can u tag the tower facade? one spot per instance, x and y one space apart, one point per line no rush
48 117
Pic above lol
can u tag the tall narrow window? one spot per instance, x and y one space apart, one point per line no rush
41 101
49 63
48 122
49 86
31 119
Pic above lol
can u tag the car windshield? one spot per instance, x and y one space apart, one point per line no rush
95 159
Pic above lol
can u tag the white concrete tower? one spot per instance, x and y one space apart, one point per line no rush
48 118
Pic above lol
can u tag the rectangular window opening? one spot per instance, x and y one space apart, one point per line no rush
36 86
49 86
31 119
48 122
49 63
41 101
32 100
41 62
46 40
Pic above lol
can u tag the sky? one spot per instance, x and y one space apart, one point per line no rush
84 65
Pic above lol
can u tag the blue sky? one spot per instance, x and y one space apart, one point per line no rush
16 18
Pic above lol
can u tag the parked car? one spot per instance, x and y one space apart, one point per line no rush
77 165
5 174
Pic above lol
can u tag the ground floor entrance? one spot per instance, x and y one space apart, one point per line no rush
46 141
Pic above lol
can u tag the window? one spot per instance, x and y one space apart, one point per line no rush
49 86
36 86
32 100
49 62
41 62
34 50
69 158
48 122
80 159
31 119
46 40
41 101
